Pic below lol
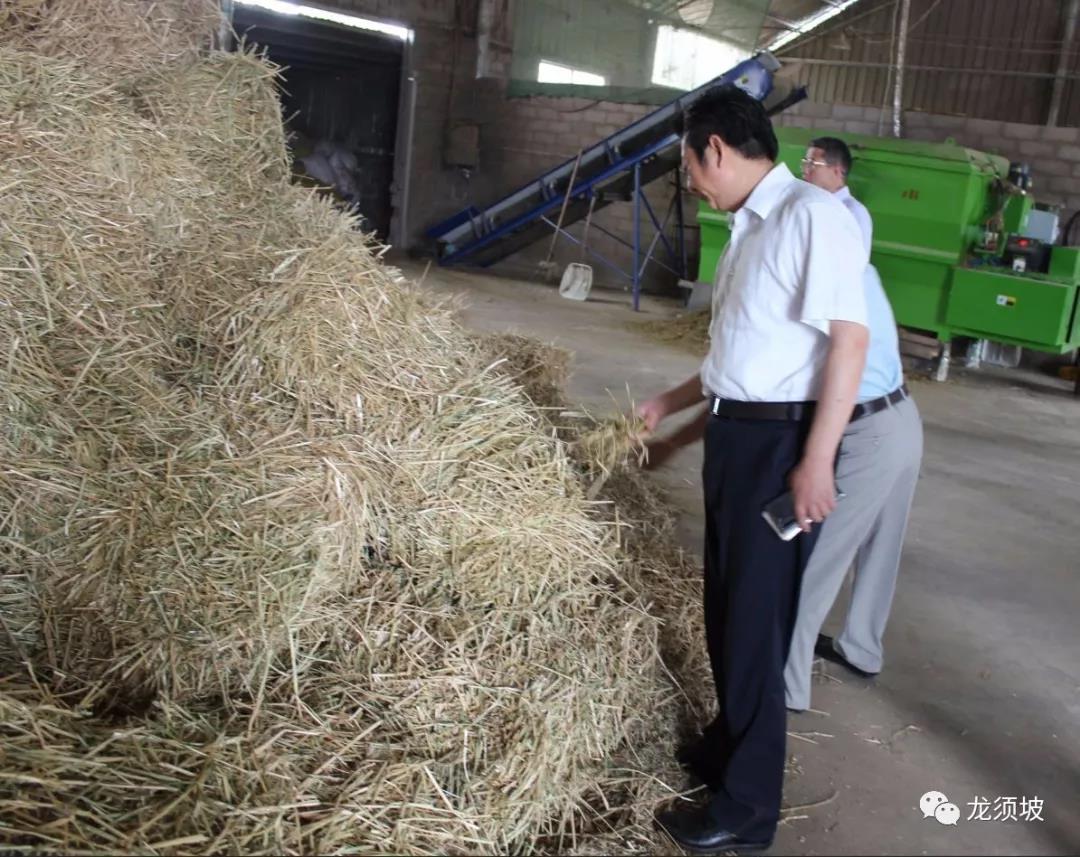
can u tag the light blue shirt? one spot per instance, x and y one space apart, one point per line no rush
883 372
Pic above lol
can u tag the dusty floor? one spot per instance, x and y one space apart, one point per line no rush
980 696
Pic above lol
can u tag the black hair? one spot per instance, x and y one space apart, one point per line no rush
837 153
735 117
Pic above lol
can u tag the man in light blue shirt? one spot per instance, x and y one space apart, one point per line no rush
877 468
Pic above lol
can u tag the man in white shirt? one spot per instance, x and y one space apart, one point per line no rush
878 468
788 343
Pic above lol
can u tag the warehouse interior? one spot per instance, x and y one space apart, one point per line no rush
329 521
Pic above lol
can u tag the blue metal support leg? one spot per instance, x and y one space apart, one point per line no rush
629 275
637 235
658 235
660 228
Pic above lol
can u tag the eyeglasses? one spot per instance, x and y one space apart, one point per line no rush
810 162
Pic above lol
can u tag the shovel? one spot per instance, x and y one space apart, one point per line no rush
577 278
548 268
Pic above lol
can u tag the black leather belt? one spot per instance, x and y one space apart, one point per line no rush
864 409
736 410
797 411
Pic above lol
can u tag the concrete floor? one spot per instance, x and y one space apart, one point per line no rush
980 696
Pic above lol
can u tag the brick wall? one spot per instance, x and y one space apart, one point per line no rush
1053 153
533 134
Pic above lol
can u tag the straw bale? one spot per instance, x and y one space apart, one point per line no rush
670 580
20 624
19 15
224 113
541 369
289 563
118 36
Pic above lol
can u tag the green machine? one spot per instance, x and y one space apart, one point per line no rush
949 242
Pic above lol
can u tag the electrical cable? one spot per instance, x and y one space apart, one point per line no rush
1066 233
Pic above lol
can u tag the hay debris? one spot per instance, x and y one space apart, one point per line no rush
610 446
689 331
612 443
288 565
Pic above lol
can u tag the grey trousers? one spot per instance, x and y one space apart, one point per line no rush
877 468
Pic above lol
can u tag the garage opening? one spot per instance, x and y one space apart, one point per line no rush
340 99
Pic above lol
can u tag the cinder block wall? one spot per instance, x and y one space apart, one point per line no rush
1053 153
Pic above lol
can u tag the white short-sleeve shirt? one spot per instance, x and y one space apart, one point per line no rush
794 264
859 212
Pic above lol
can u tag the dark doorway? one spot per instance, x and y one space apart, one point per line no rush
340 104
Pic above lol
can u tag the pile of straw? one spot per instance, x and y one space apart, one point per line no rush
540 369
114 36
287 563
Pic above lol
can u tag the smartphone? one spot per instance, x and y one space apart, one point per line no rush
780 515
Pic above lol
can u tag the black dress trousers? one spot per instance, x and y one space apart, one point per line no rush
751 594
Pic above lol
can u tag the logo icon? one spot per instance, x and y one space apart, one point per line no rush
935 805
929 803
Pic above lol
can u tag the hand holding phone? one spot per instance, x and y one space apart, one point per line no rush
780 515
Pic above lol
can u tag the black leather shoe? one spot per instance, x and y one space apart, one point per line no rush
704 759
702 769
694 831
824 649
687 754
